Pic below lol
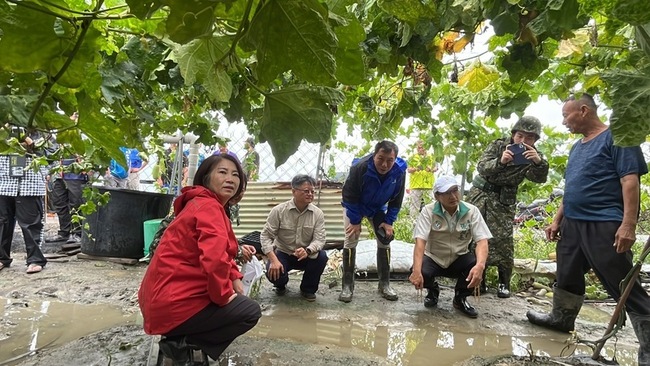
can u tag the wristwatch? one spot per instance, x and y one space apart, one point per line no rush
308 251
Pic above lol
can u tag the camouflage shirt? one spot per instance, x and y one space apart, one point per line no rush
509 175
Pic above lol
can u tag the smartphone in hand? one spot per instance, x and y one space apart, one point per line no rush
518 154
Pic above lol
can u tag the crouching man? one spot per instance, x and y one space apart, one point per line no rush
443 233
293 238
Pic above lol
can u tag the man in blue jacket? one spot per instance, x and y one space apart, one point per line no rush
374 189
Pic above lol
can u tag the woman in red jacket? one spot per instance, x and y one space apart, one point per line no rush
192 292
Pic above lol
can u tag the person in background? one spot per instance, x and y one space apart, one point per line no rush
223 150
374 189
66 194
293 238
595 224
443 233
192 292
421 167
501 170
22 195
116 175
136 161
251 161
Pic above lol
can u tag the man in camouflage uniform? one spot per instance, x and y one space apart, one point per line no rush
494 191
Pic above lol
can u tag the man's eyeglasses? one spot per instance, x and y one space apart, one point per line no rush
306 191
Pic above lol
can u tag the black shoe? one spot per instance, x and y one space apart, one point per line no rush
308 296
503 291
431 300
483 289
57 238
280 291
461 304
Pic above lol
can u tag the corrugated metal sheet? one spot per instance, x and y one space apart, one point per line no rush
261 197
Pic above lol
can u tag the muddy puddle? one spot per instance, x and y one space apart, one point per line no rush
419 339
47 324
402 333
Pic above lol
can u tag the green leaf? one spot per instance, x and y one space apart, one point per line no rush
477 77
218 84
506 22
294 35
73 138
629 92
407 10
642 37
295 113
190 19
197 58
635 12
103 132
29 42
350 65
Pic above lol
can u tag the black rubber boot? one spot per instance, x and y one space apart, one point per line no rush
349 262
433 292
503 291
641 324
566 307
383 272
460 303
176 352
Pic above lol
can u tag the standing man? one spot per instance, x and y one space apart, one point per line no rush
22 193
293 238
421 167
374 189
67 196
600 207
443 233
504 165
251 161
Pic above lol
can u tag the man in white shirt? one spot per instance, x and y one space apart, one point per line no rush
443 233
293 238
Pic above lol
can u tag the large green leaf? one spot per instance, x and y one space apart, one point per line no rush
190 19
629 92
296 113
407 10
635 12
294 35
103 132
642 36
29 42
350 66
201 61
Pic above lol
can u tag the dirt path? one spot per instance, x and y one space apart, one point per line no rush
368 331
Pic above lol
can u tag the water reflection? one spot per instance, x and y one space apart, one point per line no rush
414 342
29 326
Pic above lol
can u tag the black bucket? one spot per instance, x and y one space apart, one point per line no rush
116 229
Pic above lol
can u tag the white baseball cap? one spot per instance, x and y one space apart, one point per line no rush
444 183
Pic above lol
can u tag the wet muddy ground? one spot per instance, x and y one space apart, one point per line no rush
82 312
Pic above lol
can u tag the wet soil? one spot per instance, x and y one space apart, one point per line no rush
97 323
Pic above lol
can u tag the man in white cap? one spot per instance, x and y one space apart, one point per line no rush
443 233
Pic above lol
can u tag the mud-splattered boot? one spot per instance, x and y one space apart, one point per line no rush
566 307
349 262
641 324
383 272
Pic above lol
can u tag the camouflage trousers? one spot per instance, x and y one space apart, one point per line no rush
498 218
